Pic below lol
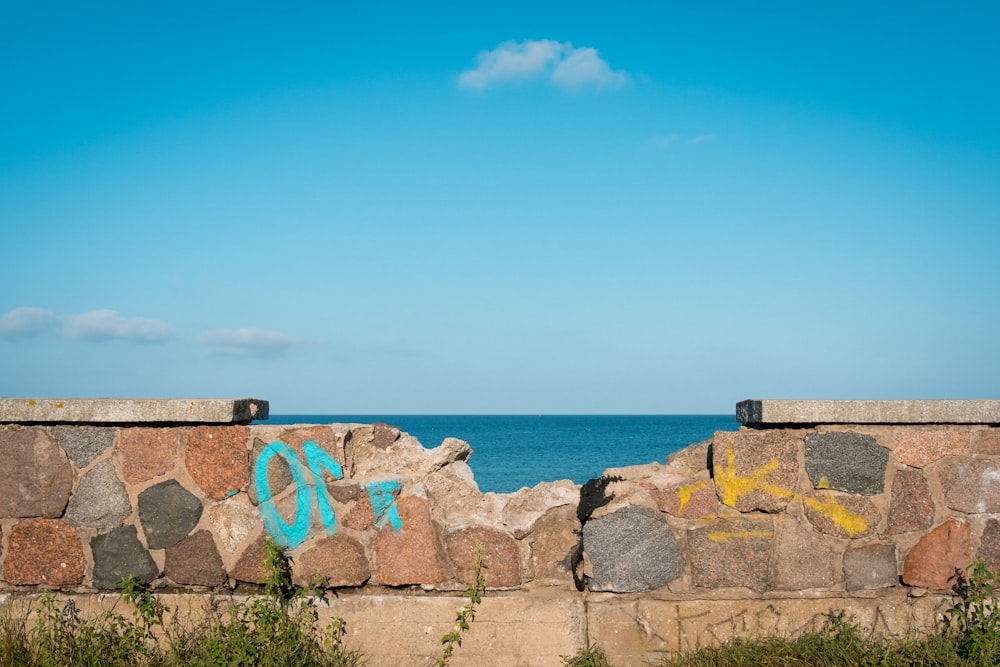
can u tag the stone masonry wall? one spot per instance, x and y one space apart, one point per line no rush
763 529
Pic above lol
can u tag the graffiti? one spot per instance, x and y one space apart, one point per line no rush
734 486
685 492
311 491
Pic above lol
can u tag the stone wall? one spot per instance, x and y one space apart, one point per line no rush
761 530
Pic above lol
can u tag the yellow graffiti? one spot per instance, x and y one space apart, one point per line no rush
735 486
725 536
685 492
823 483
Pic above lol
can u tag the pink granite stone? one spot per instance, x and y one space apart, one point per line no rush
919 447
971 486
36 477
409 555
939 555
732 553
339 560
756 470
44 551
498 551
146 453
361 516
694 500
218 459
989 545
911 506
841 515
986 441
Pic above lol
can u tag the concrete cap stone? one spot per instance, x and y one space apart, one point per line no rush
131 410
761 412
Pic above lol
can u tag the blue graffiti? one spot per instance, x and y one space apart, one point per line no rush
310 489
383 497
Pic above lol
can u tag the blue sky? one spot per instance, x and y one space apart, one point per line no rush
392 208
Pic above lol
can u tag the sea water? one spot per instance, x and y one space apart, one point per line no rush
512 451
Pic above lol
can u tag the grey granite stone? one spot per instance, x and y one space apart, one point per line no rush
868 412
119 553
100 500
849 462
131 410
83 444
631 550
870 566
168 512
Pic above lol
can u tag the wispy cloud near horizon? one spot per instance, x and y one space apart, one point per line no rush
106 324
26 321
560 63
247 341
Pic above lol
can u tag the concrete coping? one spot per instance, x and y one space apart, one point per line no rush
131 410
763 412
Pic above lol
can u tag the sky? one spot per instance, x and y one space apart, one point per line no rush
500 208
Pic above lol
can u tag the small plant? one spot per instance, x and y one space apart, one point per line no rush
974 621
467 614
588 656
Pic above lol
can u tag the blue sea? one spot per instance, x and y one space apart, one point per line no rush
512 451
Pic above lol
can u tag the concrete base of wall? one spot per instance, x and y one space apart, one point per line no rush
537 628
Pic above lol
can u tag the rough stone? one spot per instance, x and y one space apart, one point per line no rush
339 559
986 441
43 551
278 475
553 544
918 448
409 555
331 440
218 460
132 410
841 515
83 444
233 520
100 501
361 516
250 565
119 553
911 506
194 561
939 554
36 478
870 566
167 513
344 492
846 461
971 486
695 500
805 560
631 550
868 412
756 470
989 545
694 458
147 452
731 553
498 550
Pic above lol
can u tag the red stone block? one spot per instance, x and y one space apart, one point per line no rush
498 551
939 555
911 506
44 551
146 453
409 555
919 447
218 459
338 559
694 500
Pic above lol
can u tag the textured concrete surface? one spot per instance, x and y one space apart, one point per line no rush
758 412
131 410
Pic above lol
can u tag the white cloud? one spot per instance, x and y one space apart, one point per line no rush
247 342
98 325
26 321
558 62
703 138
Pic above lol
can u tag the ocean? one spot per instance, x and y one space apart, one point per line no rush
512 451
